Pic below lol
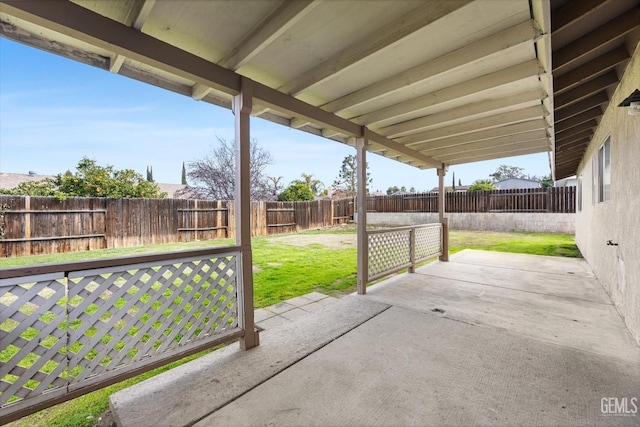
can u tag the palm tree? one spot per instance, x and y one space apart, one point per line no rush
315 185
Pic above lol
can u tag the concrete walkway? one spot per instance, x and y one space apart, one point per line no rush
486 339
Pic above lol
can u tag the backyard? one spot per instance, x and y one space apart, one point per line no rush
285 266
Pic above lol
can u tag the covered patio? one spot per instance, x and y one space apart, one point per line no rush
429 84
485 339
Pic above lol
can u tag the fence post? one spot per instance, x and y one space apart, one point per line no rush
412 250
27 226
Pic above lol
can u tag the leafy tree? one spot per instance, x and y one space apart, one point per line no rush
296 192
459 182
184 175
315 185
347 177
150 173
545 181
412 190
43 187
482 185
453 182
275 186
92 180
392 190
506 172
215 177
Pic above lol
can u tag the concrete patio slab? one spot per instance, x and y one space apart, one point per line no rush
404 367
194 390
505 291
486 339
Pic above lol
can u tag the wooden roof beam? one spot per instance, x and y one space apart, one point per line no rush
591 124
488 143
586 90
286 15
610 31
372 43
592 69
540 147
523 33
487 82
584 105
578 119
493 133
498 120
572 11
574 137
141 13
440 119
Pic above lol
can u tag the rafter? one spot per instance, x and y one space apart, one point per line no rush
140 16
199 91
481 107
593 68
586 90
489 81
540 147
281 20
584 105
492 133
372 43
522 33
591 124
612 30
497 120
573 11
574 137
578 119
488 143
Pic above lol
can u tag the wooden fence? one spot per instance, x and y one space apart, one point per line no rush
557 200
44 225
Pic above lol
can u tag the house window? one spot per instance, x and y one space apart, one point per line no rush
579 194
594 179
604 171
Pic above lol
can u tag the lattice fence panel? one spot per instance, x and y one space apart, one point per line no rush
58 331
388 251
120 317
32 337
428 242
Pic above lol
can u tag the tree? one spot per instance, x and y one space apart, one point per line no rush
150 173
506 172
392 190
275 186
184 175
214 176
546 181
481 185
412 190
459 182
315 185
296 192
453 184
92 180
347 177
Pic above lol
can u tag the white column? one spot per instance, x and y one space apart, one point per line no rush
363 239
242 104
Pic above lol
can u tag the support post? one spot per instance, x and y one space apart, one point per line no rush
363 239
441 210
412 250
242 104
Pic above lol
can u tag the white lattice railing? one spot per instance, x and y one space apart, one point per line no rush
394 249
72 328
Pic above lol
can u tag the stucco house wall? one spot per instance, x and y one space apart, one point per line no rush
618 219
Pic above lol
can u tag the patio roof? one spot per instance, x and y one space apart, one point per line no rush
450 81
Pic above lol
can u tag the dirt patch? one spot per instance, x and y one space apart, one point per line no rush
331 241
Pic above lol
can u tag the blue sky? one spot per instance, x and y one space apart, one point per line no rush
54 111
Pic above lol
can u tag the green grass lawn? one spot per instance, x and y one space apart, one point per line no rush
283 269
